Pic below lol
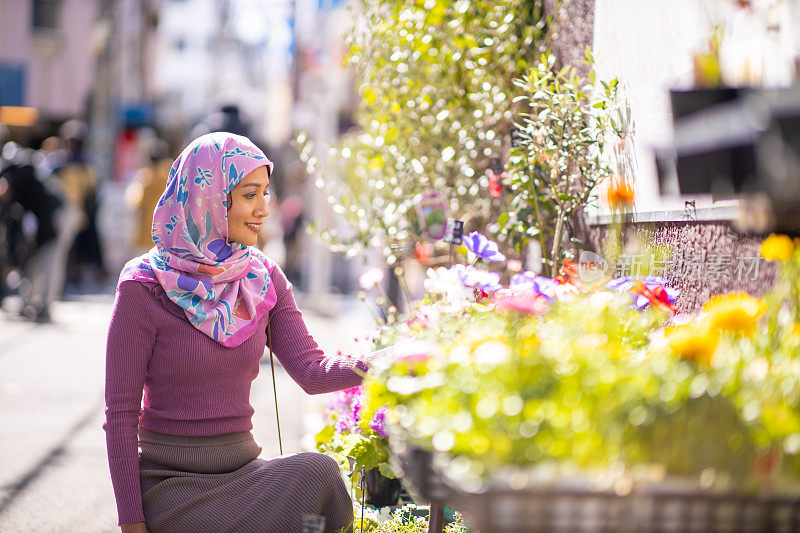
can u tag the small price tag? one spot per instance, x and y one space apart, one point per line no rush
454 231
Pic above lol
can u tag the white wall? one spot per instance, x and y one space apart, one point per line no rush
648 45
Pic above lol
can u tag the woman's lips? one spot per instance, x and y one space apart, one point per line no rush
253 227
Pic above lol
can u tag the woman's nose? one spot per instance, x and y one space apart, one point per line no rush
263 207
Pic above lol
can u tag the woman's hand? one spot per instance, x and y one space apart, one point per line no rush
136 527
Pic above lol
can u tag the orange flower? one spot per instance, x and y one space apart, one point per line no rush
568 273
422 251
620 193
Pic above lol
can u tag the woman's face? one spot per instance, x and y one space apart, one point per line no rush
248 205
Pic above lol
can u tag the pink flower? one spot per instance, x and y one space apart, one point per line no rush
526 300
416 350
495 183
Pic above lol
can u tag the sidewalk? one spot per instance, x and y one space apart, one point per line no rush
53 469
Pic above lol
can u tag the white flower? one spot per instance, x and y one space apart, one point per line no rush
446 282
369 279
565 292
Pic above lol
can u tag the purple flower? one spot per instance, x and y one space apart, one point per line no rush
540 284
357 404
483 279
346 424
480 245
378 422
345 408
626 283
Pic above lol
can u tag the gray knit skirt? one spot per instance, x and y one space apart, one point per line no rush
218 483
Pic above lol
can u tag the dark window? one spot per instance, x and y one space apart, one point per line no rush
12 84
46 13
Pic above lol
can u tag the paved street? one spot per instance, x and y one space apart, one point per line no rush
53 469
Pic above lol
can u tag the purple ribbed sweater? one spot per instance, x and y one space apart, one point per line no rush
193 385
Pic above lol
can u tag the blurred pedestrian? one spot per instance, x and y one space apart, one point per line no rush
56 222
228 119
190 323
144 191
291 214
80 186
50 158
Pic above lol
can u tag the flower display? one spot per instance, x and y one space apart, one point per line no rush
377 424
559 375
573 376
422 252
483 247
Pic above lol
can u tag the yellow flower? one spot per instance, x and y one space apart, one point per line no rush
777 248
696 341
736 312
529 340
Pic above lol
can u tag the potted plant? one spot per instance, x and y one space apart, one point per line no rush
356 438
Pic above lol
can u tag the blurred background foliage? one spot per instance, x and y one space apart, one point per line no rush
436 80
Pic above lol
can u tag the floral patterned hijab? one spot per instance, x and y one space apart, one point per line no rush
222 287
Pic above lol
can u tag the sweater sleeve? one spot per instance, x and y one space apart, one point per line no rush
131 337
299 353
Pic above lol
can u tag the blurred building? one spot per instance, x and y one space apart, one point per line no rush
651 48
87 59
235 53
46 60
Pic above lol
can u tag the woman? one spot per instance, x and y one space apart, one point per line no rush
189 326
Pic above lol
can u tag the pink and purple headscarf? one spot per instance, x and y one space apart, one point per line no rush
222 287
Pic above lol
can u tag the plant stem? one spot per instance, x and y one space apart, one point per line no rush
557 242
536 210
404 285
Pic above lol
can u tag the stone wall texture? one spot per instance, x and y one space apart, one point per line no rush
573 31
707 258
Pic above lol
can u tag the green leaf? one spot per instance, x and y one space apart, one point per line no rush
502 220
386 470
